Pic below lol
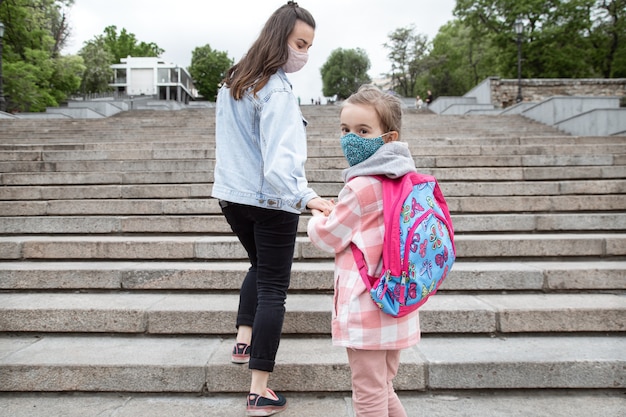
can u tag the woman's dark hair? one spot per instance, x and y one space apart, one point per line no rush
268 53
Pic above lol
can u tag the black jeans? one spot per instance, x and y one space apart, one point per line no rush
269 237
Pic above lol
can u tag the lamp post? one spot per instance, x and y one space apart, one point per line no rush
3 104
519 28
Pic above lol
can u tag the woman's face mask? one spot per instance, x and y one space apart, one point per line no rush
296 60
357 149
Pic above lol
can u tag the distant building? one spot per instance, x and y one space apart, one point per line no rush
152 77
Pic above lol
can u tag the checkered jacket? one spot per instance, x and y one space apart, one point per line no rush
356 321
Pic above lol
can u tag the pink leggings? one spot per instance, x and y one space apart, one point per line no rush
372 383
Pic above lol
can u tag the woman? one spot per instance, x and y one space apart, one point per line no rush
262 188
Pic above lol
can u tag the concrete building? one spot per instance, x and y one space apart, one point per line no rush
148 76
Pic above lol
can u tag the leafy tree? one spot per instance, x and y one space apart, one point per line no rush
344 72
456 62
98 72
608 37
66 76
34 24
38 68
125 44
208 68
408 53
34 74
562 38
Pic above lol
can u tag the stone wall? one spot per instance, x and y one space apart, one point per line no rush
504 91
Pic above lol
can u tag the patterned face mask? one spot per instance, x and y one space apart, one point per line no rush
357 149
296 61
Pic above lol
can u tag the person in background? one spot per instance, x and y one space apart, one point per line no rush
419 103
370 125
260 182
429 97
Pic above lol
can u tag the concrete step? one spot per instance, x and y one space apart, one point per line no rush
202 160
477 145
499 173
187 247
561 150
489 277
131 205
326 176
105 166
429 160
101 363
202 189
142 217
445 403
310 314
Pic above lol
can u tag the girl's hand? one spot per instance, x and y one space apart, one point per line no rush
320 206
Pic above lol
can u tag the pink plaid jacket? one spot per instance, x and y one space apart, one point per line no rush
356 321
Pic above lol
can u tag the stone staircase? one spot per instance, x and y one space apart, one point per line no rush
119 275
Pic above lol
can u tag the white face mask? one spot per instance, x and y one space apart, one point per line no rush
296 60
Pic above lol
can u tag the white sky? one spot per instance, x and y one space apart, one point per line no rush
231 26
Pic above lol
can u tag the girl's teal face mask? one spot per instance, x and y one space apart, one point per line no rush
357 149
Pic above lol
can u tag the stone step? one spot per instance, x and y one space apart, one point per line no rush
474 277
101 363
499 173
203 190
202 160
318 147
445 403
151 165
174 247
424 153
314 175
143 217
430 160
308 314
548 204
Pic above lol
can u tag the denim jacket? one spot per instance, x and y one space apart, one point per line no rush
261 148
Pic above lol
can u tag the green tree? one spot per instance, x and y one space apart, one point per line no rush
35 25
208 68
38 69
344 72
562 38
608 37
98 72
126 44
408 54
66 76
35 75
456 63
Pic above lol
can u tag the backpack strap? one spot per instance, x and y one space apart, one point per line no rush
359 259
393 192
392 188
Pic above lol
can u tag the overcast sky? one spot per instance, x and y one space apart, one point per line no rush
231 26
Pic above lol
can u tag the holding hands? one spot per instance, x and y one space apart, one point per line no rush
320 206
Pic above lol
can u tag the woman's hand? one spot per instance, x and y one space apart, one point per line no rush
320 206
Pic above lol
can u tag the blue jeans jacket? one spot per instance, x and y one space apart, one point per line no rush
261 148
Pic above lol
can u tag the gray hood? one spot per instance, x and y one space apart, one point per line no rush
393 159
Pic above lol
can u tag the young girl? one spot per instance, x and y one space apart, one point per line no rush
260 181
370 127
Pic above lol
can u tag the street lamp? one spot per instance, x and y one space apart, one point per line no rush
3 104
519 29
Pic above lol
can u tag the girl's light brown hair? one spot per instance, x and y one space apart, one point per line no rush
268 53
387 106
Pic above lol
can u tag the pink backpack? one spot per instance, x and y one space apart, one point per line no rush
418 249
